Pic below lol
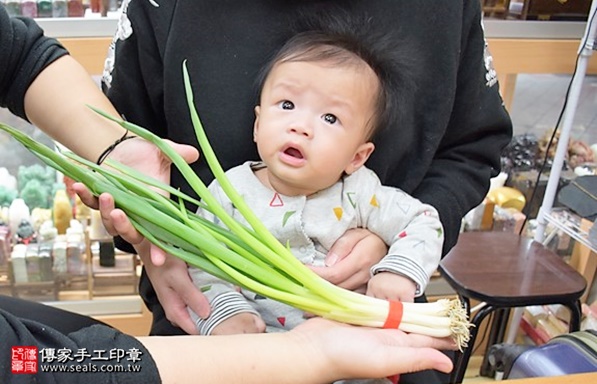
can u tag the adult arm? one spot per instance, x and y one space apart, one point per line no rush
318 351
41 83
57 103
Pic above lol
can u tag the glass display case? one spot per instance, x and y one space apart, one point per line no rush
75 266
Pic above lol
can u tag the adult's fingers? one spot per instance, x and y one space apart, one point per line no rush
343 246
195 299
176 291
418 359
350 258
121 225
189 153
344 274
416 340
85 195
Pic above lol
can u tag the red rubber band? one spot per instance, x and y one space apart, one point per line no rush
392 322
394 315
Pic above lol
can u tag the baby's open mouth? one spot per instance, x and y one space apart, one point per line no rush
294 153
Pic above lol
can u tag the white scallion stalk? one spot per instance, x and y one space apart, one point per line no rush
249 256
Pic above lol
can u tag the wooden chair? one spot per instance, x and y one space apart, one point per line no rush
503 270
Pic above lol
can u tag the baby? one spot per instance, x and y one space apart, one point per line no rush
322 99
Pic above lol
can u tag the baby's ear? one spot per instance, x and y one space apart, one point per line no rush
360 157
256 122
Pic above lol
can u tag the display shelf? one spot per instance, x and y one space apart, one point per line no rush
571 224
120 279
79 26
547 212
510 29
83 276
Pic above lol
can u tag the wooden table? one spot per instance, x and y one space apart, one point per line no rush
581 378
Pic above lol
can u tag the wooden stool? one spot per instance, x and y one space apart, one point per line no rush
504 270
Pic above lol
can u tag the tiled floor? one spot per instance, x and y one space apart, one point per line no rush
538 100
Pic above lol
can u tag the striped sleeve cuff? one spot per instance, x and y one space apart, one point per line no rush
223 307
403 266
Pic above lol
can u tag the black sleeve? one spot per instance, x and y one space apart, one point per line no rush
84 347
24 53
479 128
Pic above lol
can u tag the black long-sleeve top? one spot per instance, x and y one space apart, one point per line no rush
88 355
24 53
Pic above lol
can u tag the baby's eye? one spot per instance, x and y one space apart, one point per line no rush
329 118
286 104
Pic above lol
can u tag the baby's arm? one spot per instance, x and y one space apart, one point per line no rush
414 253
230 311
415 238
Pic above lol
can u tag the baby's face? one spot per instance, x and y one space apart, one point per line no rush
312 124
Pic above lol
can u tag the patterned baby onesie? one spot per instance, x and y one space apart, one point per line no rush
310 226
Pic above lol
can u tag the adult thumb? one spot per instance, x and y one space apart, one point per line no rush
189 153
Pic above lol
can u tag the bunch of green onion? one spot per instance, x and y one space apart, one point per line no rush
248 256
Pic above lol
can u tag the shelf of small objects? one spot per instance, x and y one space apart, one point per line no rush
47 261
571 224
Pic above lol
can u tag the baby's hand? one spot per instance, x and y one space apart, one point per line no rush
391 286
244 322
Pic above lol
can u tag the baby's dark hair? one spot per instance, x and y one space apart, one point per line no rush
345 42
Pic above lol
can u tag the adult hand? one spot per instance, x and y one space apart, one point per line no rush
350 258
172 284
361 352
147 159
168 274
317 351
